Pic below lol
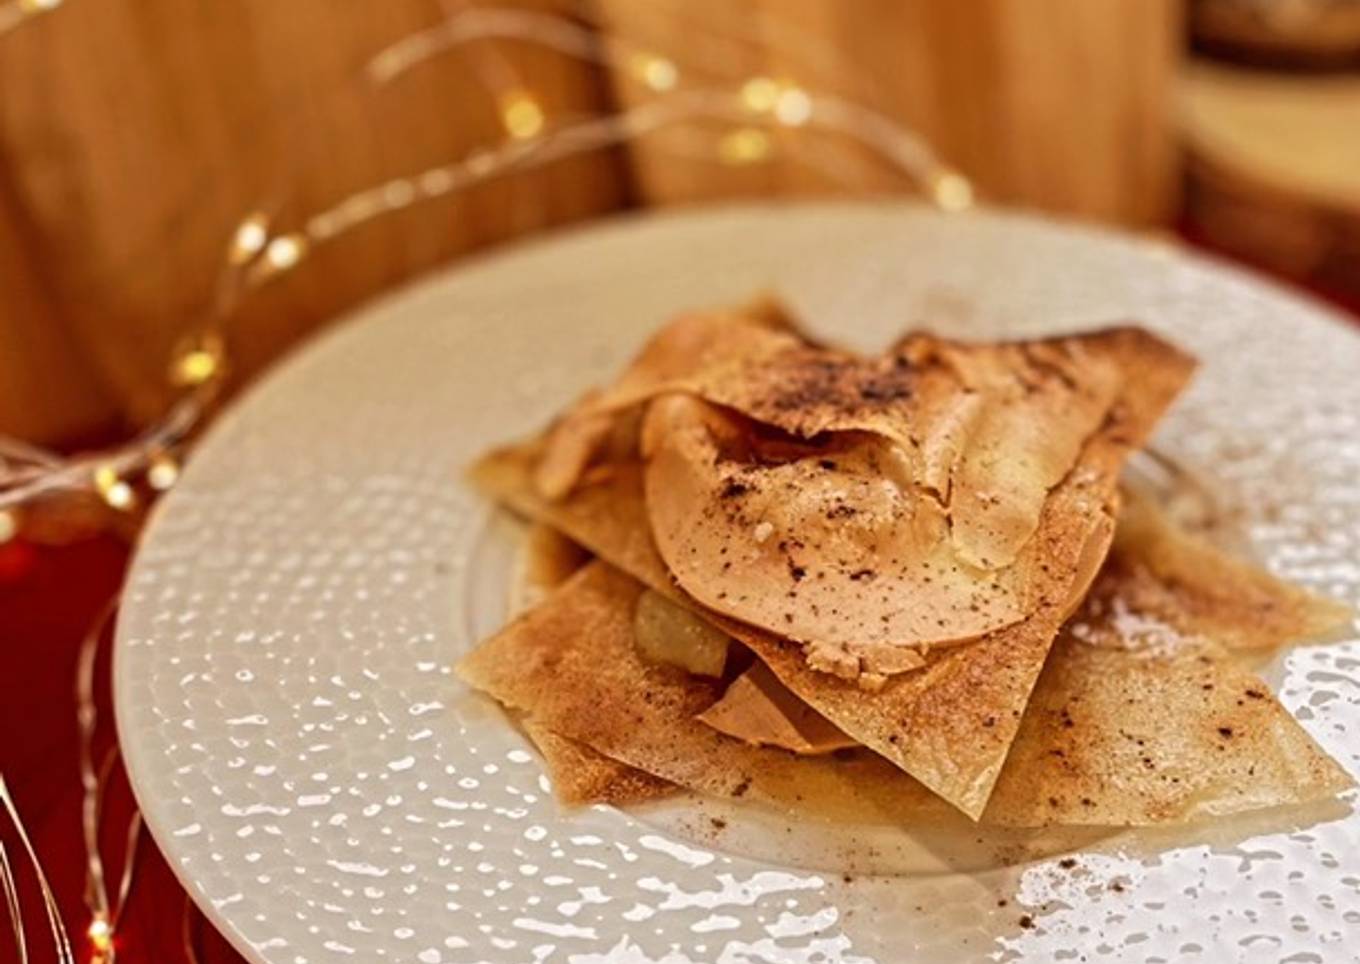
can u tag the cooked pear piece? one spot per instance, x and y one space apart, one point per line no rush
667 632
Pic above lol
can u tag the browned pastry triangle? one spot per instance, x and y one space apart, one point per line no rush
1154 731
1141 715
865 507
571 666
580 775
950 723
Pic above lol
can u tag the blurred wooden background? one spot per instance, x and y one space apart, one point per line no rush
135 133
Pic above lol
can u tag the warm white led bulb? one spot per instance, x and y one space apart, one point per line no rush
793 107
163 473
100 933
284 252
658 73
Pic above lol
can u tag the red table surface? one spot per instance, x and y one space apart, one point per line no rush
48 599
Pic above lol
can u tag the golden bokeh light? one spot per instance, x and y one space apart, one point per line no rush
951 191
113 490
197 360
658 73
163 473
285 251
521 115
100 934
793 107
745 145
249 240
760 94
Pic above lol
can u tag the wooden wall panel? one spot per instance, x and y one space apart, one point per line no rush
48 389
136 133
1064 105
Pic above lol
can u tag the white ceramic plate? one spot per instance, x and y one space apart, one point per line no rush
329 792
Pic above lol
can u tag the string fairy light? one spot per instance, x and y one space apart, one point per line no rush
793 107
105 912
100 934
681 93
197 367
282 253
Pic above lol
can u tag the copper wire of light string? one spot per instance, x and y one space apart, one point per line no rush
497 72
478 23
13 905
61 941
875 130
902 149
77 474
625 57
521 115
20 452
104 913
598 45
188 936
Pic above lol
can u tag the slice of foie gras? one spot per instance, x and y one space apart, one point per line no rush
688 350
832 545
986 429
759 709
910 519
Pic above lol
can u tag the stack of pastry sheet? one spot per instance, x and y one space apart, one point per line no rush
890 585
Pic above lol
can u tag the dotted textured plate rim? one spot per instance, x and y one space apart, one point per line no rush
294 605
